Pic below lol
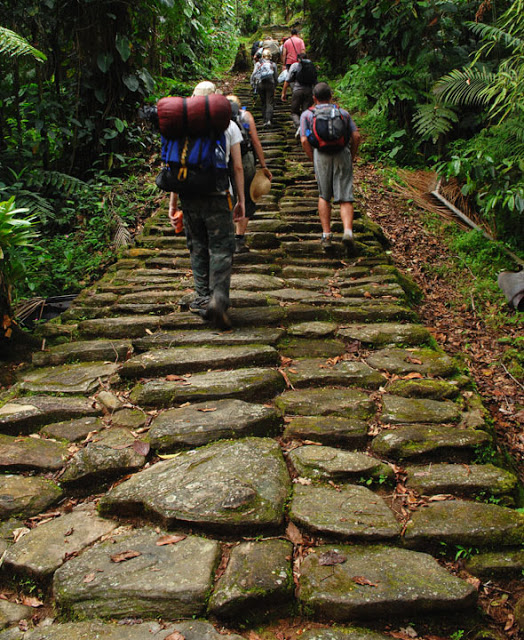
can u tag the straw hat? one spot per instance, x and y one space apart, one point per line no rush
260 185
204 88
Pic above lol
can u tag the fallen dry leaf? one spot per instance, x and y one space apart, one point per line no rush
176 635
125 555
293 534
169 539
207 410
31 601
331 558
363 581
89 577
20 533
412 376
141 447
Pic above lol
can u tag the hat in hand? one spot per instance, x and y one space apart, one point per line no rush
260 185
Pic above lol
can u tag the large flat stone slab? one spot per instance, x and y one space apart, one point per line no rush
237 336
351 512
425 388
246 384
258 578
255 282
399 410
465 523
504 564
167 581
121 327
403 361
380 334
109 453
84 351
23 497
181 360
231 485
75 379
378 581
317 371
339 402
313 329
382 312
328 463
72 430
193 630
471 479
40 552
343 633
31 453
350 433
27 414
419 441
206 422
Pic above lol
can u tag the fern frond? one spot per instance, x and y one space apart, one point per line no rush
57 180
122 237
434 120
15 46
465 87
35 204
497 35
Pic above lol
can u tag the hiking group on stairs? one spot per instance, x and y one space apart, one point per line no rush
330 139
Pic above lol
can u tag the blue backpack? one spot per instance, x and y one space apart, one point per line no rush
195 165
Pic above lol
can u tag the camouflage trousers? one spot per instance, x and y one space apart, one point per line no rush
210 236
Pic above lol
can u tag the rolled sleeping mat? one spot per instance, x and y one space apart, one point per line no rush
197 116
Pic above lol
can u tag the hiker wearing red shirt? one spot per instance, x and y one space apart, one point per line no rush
291 48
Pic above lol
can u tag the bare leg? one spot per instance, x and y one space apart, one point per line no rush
346 213
324 211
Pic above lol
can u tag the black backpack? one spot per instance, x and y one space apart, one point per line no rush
330 129
245 145
306 73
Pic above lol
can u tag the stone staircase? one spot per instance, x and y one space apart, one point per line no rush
323 462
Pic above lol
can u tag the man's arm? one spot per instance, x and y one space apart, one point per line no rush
354 144
284 90
238 176
307 147
257 145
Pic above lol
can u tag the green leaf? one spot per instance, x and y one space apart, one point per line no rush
123 46
104 61
131 81
119 125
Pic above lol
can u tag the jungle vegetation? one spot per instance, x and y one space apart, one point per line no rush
432 83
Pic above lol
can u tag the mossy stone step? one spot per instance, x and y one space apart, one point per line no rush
386 333
251 384
72 430
161 581
205 422
426 388
378 311
328 463
183 360
24 497
84 351
403 361
232 485
465 523
429 441
474 479
349 511
73 379
349 433
258 578
399 410
350 582
17 453
313 402
308 372
237 336
26 414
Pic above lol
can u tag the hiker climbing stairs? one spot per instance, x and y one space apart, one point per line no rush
322 460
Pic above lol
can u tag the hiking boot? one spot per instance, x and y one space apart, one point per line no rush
326 242
199 304
217 312
240 245
349 244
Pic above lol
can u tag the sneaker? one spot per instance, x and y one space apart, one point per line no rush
217 313
326 242
199 304
349 244
240 245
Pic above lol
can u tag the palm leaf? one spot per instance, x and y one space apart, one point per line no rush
466 87
497 35
434 120
15 46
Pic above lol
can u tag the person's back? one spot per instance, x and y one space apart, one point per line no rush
292 47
